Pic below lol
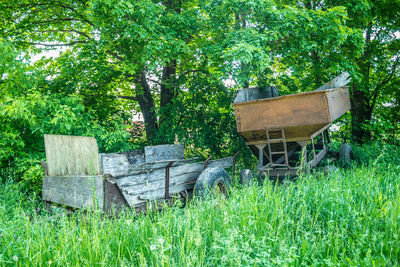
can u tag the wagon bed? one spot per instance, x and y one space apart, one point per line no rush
277 128
300 115
78 176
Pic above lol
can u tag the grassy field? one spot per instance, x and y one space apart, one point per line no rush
350 217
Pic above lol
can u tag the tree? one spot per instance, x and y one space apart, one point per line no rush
146 51
375 70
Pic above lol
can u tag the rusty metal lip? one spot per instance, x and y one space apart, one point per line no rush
319 92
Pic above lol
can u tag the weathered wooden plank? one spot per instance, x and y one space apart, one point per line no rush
158 194
147 175
339 102
133 186
160 184
164 152
249 94
117 163
150 166
221 163
71 155
318 157
74 191
342 80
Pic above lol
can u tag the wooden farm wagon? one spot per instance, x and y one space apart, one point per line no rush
78 176
289 133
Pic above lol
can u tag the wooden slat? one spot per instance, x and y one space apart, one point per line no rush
150 180
164 152
342 80
153 195
127 169
116 163
338 102
74 191
160 184
71 155
318 157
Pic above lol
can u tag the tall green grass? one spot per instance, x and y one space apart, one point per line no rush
350 217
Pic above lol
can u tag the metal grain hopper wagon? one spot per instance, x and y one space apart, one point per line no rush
279 129
78 176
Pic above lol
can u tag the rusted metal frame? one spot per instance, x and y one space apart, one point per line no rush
264 141
282 159
318 157
328 138
269 149
167 179
284 152
44 166
206 162
234 165
313 147
320 130
261 155
274 165
285 147
280 172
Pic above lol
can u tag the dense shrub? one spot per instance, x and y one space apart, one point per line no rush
27 118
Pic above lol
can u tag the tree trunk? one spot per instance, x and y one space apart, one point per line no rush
316 68
168 86
147 107
168 94
361 110
360 116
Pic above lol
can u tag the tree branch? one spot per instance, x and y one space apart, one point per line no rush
73 31
56 45
384 82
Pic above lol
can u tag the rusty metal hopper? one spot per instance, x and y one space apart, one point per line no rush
300 115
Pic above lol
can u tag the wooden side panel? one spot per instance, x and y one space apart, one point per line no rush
342 80
249 94
118 163
300 110
71 155
149 183
291 134
75 191
338 101
164 152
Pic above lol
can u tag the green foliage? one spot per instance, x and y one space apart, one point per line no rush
27 118
180 63
204 118
28 111
381 154
350 217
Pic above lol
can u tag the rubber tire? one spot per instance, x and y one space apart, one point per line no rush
346 153
209 179
246 177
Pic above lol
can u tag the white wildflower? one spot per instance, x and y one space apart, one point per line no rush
152 247
15 258
161 240
128 222
197 241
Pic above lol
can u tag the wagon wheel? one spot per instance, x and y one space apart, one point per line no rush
211 182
